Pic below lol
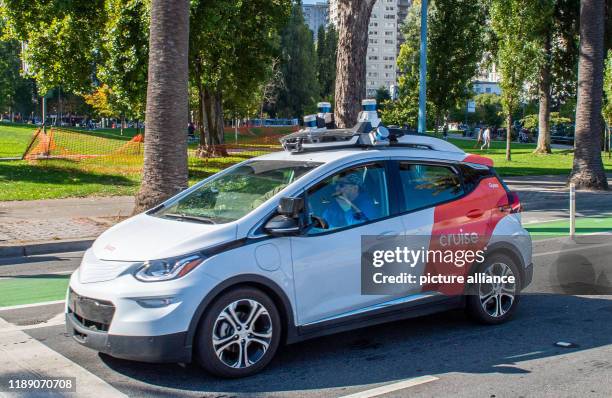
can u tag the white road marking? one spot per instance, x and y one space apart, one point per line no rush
25 357
374 392
18 307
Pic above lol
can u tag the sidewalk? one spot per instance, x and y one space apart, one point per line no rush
53 221
45 225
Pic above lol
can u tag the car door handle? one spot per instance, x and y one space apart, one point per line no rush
476 213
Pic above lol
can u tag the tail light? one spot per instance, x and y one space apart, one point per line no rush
513 205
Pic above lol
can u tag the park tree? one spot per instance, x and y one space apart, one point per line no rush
488 109
588 171
404 111
230 54
327 51
271 86
558 46
61 40
125 52
607 109
455 44
165 153
455 47
514 23
300 90
353 21
16 91
382 97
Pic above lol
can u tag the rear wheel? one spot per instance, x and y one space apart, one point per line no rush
494 303
239 334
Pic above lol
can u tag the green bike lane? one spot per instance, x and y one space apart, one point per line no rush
46 287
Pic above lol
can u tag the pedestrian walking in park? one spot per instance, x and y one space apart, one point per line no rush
486 138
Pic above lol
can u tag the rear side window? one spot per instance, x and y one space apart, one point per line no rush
473 175
427 185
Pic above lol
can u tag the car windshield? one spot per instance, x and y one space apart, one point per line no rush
232 195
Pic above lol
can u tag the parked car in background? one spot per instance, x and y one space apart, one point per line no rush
562 133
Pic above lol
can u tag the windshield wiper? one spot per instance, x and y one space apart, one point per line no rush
178 216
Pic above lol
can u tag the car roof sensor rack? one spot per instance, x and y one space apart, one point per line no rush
368 132
308 140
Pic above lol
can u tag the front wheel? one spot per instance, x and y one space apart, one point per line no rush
239 334
494 303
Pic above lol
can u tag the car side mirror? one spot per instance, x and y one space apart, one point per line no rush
287 221
281 225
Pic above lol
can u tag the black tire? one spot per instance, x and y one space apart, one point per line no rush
476 310
204 351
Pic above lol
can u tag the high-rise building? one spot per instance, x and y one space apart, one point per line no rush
316 15
383 47
402 12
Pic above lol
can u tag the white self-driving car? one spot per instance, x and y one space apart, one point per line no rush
268 252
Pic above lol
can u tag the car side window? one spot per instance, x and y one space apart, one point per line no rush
351 197
425 185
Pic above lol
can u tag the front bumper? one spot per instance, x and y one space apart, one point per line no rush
165 348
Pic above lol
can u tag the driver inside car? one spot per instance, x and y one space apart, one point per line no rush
350 204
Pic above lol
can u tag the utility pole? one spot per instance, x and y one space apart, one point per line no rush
423 69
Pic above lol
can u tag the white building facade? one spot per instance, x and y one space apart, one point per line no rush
383 43
487 81
316 15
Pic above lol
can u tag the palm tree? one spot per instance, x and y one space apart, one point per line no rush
165 154
353 21
588 171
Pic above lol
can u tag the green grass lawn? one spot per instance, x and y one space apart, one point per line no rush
14 139
53 179
32 289
524 161
120 174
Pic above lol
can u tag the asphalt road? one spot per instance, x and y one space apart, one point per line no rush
435 356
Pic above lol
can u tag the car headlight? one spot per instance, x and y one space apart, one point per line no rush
163 270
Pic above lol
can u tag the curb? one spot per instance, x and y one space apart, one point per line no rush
30 249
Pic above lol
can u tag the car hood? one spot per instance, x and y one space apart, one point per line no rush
145 237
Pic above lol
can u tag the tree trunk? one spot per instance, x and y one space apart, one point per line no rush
544 98
353 23
508 136
588 171
165 154
213 119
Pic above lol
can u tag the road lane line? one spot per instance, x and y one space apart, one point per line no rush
18 307
374 392
27 358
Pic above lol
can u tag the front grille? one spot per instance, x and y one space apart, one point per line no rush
92 314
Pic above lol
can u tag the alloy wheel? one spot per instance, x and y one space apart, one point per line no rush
242 333
496 299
